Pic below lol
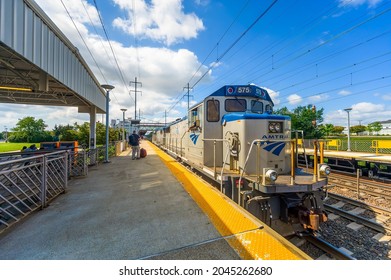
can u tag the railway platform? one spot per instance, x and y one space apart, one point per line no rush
151 208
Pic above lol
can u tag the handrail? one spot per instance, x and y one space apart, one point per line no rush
248 156
214 159
30 156
181 141
297 148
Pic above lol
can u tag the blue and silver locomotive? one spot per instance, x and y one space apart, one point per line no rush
233 137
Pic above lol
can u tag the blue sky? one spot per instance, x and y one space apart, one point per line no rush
334 54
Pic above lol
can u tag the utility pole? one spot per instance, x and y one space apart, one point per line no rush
165 118
188 95
135 95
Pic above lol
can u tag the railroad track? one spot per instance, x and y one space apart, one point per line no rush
354 215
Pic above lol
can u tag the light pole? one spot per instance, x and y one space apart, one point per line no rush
123 123
6 134
348 110
107 88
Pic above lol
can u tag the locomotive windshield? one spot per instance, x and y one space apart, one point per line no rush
256 107
235 105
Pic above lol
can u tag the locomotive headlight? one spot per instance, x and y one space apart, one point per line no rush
275 127
272 128
271 175
324 169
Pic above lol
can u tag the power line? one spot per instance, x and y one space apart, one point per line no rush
85 44
135 37
111 47
343 33
236 41
221 38
343 87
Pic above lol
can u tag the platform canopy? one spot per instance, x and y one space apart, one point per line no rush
39 65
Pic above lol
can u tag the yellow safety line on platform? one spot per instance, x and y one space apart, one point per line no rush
252 239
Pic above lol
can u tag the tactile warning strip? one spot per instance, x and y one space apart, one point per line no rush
250 238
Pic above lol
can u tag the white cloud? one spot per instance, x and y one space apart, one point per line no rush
386 97
273 95
364 112
366 107
163 21
318 98
163 71
355 3
344 92
202 2
294 99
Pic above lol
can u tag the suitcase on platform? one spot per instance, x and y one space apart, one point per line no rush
143 153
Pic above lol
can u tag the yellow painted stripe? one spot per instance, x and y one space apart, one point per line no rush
248 240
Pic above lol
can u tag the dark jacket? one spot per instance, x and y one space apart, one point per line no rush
134 139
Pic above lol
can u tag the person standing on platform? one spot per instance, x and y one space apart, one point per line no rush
134 141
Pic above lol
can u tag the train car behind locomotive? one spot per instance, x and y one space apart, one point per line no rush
233 138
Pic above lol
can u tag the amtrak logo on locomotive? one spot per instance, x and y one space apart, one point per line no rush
274 147
194 137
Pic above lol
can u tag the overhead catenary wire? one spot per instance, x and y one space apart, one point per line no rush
111 47
236 41
96 31
180 95
135 37
342 87
252 59
343 33
85 44
228 49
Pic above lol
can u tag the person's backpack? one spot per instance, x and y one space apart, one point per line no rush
131 139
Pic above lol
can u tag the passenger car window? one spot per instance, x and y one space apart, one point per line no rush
213 110
256 107
235 105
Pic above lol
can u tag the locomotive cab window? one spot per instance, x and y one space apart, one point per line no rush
195 117
256 107
213 110
235 105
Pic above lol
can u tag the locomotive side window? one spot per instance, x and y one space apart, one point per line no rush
213 110
235 105
256 107
195 117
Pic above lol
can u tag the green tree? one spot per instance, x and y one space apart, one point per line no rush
374 127
326 129
338 129
30 130
357 129
305 118
84 134
65 132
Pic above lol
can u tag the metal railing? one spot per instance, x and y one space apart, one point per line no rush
29 181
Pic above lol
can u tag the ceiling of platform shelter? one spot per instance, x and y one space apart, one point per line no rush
21 82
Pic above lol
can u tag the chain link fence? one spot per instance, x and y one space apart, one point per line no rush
365 146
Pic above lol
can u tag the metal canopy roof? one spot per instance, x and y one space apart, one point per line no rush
38 64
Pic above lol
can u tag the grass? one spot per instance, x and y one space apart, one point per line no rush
12 147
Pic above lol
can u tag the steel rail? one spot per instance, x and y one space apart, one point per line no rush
361 220
328 248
